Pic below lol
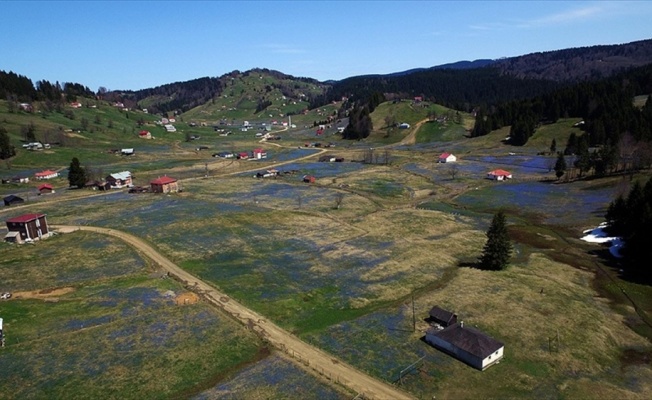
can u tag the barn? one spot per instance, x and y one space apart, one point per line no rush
27 227
45 188
13 199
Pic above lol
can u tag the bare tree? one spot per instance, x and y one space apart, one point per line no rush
339 198
453 170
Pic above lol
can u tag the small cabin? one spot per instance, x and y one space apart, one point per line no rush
446 158
27 227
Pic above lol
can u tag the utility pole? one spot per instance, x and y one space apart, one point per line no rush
414 317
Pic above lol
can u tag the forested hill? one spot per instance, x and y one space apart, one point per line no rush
458 89
578 64
183 96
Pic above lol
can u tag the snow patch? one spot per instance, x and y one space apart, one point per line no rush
598 235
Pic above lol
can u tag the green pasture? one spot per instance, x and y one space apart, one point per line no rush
338 277
112 328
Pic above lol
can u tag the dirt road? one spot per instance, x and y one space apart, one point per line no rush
321 362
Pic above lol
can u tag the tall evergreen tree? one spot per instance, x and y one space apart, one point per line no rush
498 249
7 150
560 166
76 174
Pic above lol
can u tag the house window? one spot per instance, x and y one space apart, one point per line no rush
496 353
490 357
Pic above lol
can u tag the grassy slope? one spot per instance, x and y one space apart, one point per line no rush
375 276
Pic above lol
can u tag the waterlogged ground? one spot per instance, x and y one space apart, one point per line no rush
574 204
342 279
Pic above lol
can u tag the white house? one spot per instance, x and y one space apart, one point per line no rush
120 179
499 175
47 174
404 125
446 157
467 344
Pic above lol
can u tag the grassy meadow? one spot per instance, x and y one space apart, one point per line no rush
337 262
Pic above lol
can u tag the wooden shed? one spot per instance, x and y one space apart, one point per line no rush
442 317
13 199
28 226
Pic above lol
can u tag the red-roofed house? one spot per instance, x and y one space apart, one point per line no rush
47 174
499 175
45 188
243 156
446 157
259 154
145 134
27 227
164 184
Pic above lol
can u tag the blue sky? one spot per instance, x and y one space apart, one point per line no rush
136 45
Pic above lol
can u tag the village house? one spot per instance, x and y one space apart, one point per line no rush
499 175
13 199
47 174
27 227
446 157
119 180
164 184
34 146
270 173
404 125
258 154
45 188
243 155
170 128
224 154
467 344
127 152
309 179
145 134
17 179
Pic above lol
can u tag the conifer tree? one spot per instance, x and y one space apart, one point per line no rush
560 166
7 150
498 249
76 174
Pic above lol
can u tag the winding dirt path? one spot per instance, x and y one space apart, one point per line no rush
310 356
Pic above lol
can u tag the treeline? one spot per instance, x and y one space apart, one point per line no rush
458 89
578 64
605 106
19 88
178 96
630 217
